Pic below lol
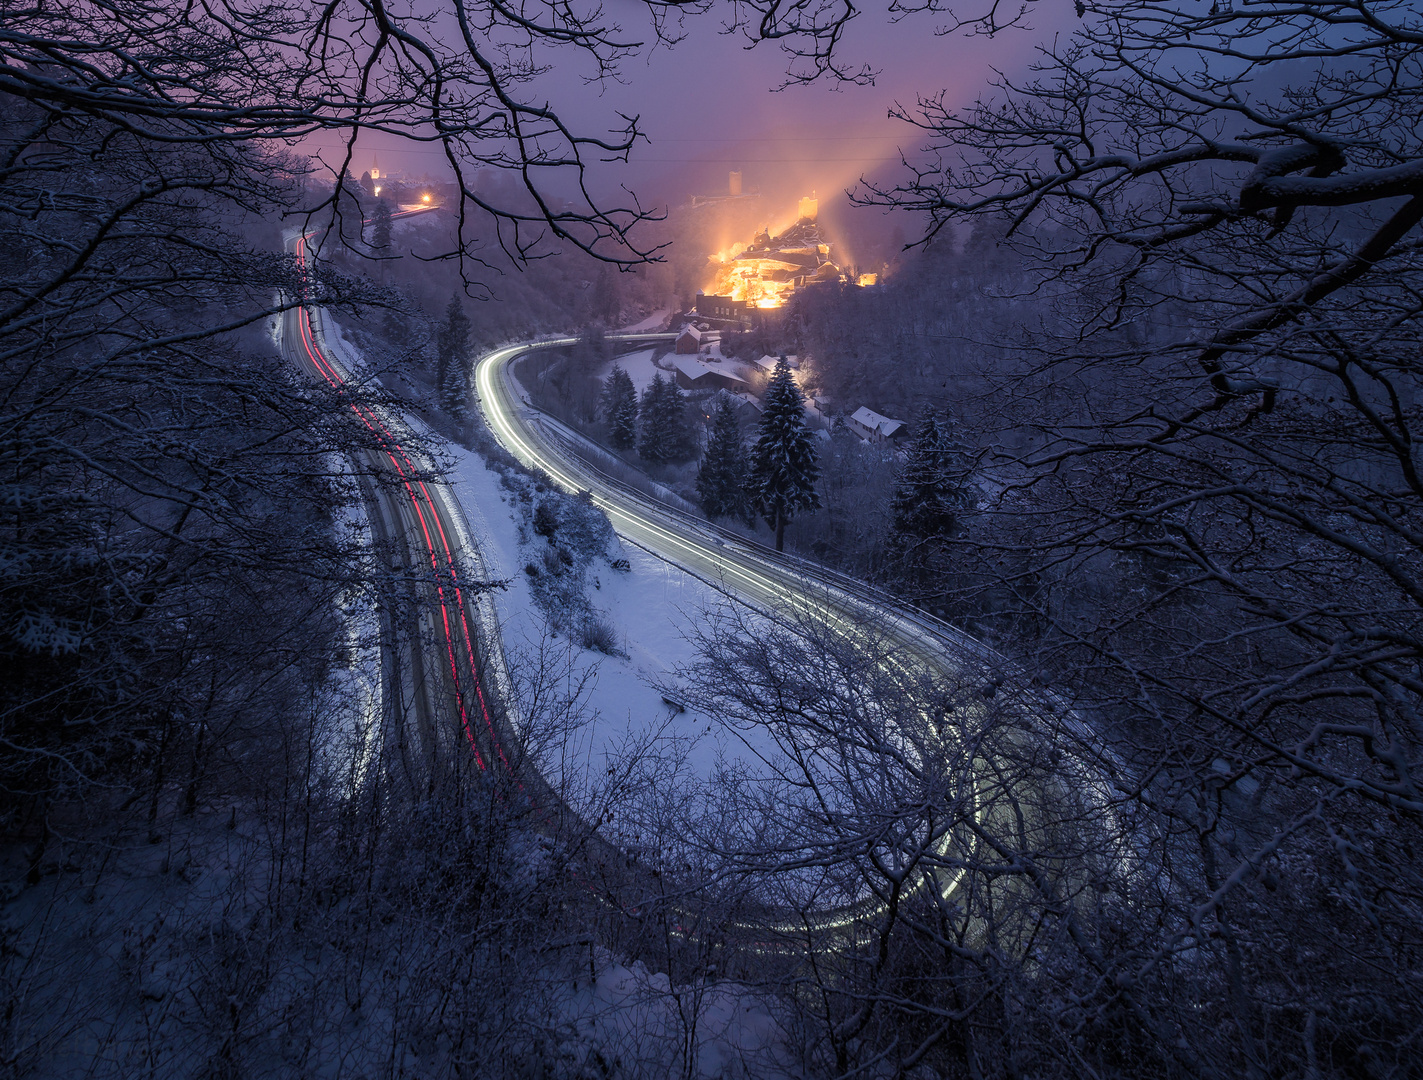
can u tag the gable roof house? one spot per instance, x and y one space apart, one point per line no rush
692 374
872 427
689 341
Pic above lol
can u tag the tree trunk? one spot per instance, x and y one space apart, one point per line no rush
780 530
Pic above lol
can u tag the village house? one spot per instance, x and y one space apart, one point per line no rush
768 363
694 375
689 341
872 427
749 410
720 307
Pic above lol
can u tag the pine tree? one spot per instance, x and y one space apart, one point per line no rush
665 432
380 227
453 346
931 496
721 480
651 438
681 436
619 407
454 392
783 460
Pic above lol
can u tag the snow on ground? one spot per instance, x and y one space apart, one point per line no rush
642 1022
345 353
653 607
653 322
639 367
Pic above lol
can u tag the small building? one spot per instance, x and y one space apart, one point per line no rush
720 307
749 410
694 375
768 363
872 427
689 341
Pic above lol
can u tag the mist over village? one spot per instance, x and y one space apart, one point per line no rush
563 541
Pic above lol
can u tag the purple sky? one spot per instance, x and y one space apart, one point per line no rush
709 104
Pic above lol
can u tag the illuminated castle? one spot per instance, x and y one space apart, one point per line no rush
765 273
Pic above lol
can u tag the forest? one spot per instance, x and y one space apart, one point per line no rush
1155 336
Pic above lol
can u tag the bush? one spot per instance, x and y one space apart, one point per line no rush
545 520
598 634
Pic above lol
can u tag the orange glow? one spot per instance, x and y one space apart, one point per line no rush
868 279
377 189
424 198
766 272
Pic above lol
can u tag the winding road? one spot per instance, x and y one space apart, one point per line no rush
437 664
771 581
758 576
754 574
442 666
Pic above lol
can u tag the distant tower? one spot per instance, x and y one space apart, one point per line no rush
375 168
734 183
809 207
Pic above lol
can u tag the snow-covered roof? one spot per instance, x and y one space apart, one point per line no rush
689 365
867 417
750 399
692 331
769 362
694 369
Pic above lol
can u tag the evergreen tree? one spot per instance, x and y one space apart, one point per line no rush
783 460
681 435
931 496
380 227
619 408
650 436
665 432
453 346
721 480
454 391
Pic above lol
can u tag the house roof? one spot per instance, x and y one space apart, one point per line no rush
749 399
867 417
695 334
694 369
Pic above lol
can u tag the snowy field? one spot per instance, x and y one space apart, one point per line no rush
652 606
639 367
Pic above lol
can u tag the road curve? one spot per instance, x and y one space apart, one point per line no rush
753 573
435 664
758 576
772 581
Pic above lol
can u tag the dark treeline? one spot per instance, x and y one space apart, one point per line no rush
564 292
